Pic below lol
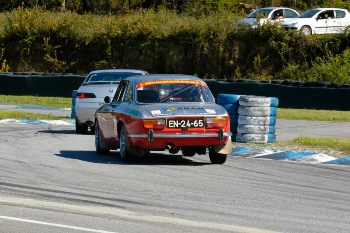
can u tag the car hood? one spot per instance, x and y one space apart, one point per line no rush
183 109
296 20
100 90
247 21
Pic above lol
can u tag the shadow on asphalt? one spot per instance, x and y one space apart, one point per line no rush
62 131
114 158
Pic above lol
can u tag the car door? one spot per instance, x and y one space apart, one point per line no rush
276 15
321 23
332 22
110 115
341 21
290 14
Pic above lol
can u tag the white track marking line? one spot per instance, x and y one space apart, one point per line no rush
127 215
54 224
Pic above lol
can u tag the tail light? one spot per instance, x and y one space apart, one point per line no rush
154 123
216 122
83 95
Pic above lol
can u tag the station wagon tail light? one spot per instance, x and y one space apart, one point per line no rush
216 122
154 123
83 95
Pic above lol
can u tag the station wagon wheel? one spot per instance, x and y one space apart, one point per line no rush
216 158
80 128
101 148
306 30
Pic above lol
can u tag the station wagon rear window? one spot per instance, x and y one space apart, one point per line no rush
104 78
163 91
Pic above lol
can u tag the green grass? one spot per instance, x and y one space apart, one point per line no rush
342 145
283 113
5 114
37 100
313 115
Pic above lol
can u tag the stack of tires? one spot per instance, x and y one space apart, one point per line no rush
253 118
257 119
231 103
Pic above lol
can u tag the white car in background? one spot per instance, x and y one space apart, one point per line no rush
320 21
90 95
268 15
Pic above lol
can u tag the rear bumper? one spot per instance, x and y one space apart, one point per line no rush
86 111
159 141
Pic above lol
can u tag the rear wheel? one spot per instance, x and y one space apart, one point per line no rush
306 30
80 128
216 158
126 151
100 146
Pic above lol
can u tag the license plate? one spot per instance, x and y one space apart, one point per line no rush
185 123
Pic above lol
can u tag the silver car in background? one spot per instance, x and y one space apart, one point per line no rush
268 15
90 95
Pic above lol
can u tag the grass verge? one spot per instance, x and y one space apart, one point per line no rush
5 114
283 113
313 115
37 100
337 144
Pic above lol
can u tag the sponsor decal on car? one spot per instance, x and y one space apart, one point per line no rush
158 82
182 110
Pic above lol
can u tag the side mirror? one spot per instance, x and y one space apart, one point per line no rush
107 99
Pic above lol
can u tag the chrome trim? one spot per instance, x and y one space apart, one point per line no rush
180 135
138 135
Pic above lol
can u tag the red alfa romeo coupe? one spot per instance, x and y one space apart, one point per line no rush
163 112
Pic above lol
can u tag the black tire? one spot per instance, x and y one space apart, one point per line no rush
100 146
126 152
216 158
188 152
80 128
306 30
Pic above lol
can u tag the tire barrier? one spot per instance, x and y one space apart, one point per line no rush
291 94
248 120
74 94
257 101
231 103
256 138
40 84
253 118
232 109
228 99
257 111
256 129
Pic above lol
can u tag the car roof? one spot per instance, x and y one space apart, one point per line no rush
274 8
139 78
324 8
118 71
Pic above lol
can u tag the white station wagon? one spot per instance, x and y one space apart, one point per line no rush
90 96
320 21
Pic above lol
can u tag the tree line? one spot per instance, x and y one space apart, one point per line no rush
202 6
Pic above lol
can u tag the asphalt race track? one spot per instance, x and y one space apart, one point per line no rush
51 180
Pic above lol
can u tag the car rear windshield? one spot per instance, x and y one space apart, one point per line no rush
309 13
163 93
260 13
103 78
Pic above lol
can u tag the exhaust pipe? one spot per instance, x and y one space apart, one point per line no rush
172 148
